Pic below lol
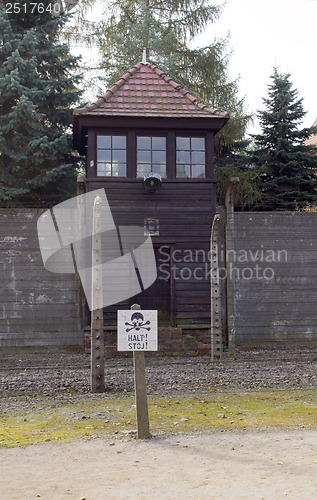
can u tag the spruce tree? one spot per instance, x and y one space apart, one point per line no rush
287 165
37 93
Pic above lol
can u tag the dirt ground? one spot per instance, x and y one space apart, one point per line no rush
243 464
222 465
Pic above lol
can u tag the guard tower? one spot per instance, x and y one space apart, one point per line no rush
150 145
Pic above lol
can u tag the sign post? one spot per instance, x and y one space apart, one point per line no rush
142 412
137 332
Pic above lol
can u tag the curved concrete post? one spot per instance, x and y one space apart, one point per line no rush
216 324
229 235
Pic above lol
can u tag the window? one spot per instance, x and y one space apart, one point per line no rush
190 157
151 155
111 155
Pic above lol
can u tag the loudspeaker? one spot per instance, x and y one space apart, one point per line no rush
152 182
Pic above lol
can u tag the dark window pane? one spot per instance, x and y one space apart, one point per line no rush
144 156
122 169
119 142
159 157
103 155
182 170
101 169
114 171
182 157
198 157
198 171
108 170
159 169
198 144
159 143
104 141
119 156
143 169
144 143
182 143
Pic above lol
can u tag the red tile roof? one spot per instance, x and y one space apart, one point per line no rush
312 140
146 91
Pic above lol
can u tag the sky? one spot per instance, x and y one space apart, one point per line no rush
264 34
269 33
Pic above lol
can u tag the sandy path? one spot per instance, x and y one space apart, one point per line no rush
244 465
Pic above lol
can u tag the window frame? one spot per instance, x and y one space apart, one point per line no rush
191 151
151 136
131 152
111 135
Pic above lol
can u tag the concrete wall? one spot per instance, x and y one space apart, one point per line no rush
37 308
275 276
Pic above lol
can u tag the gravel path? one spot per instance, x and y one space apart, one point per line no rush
22 373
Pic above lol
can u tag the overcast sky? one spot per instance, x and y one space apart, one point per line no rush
265 33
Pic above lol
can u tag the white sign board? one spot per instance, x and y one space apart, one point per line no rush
137 330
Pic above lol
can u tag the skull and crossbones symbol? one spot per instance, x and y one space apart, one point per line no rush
138 323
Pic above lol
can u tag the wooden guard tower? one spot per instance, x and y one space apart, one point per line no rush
150 145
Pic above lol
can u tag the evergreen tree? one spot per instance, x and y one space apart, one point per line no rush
287 165
247 194
37 91
168 33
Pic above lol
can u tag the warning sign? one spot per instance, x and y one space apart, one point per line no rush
137 330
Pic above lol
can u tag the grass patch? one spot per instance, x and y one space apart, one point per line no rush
68 421
86 418
245 409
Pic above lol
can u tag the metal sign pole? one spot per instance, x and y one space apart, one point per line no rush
142 412
97 337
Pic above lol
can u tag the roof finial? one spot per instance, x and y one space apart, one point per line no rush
144 57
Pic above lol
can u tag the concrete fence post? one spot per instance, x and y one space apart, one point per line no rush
97 336
229 238
216 323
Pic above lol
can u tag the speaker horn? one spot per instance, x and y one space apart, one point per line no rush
152 182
